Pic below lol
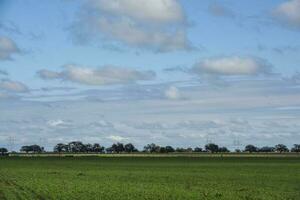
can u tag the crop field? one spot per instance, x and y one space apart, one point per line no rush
151 178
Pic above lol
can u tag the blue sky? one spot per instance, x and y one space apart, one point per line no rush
164 71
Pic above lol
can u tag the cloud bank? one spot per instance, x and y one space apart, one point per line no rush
288 13
13 86
105 75
158 25
7 48
234 65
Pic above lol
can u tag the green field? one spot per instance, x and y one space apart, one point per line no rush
138 178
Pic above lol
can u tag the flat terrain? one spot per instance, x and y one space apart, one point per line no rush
157 178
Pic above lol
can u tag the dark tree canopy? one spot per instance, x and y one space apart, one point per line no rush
169 149
198 149
129 148
152 148
3 151
213 148
266 149
61 148
281 148
223 150
97 148
251 148
32 149
116 148
80 147
296 148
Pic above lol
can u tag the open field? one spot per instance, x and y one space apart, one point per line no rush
185 154
131 178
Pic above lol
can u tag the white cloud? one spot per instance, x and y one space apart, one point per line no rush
154 11
158 25
56 123
172 93
116 138
234 65
13 86
288 13
7 48
101 76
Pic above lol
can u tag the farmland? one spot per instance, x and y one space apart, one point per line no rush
157 178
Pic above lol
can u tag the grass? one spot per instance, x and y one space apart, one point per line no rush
151 178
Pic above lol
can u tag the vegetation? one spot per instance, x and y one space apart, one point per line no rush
151 178
3 151
79 147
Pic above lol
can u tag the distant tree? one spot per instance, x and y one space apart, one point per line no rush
180 150
213 148
25 149
169 149
198 149
223 150
237 151
76 147
60 147
109 150
189 149
266 149
3 151
117 148
151 148
97 148
129 148
89 148
162 150
296 148
281 148
251 148
184 150
32 148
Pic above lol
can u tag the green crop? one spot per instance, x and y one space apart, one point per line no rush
149 178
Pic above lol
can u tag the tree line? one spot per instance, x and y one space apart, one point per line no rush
80 147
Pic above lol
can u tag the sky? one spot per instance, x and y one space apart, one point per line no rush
170 72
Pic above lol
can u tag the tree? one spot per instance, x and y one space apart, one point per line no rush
97 148
180 150
117 148
60 147
281 148
76 147
162 150
223 150
3 151
296 148
169 149
237 151
36 148
151 148
184 150
266 149
129 148
32 148
251 148
213 148
89 148
25 149
198 149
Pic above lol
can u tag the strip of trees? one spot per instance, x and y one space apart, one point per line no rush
79 147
